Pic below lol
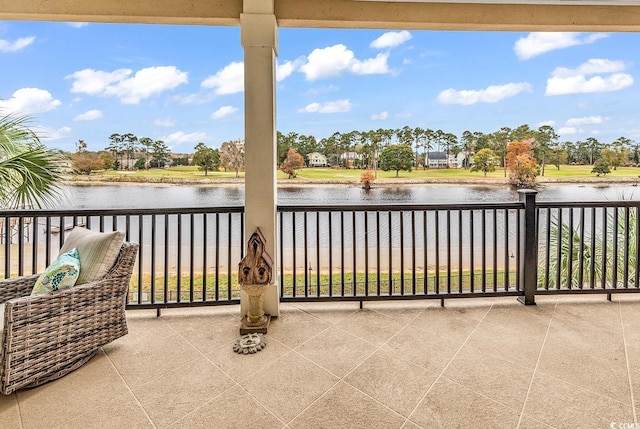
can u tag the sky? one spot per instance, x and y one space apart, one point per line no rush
184 84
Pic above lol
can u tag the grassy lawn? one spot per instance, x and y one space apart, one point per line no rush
353 175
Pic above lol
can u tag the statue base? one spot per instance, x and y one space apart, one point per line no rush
252 328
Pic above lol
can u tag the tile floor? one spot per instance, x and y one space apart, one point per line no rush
568 362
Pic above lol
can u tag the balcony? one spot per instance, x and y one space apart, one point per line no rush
570 361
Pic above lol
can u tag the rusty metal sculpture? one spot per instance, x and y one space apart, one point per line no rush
255 271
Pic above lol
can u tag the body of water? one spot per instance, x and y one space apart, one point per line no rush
103 196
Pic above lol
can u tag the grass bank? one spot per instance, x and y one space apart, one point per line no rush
305 176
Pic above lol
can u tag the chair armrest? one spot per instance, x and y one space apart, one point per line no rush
16 287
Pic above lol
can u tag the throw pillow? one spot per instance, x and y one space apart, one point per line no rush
60 275
98 251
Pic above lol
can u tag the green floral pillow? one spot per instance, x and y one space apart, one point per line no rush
61 274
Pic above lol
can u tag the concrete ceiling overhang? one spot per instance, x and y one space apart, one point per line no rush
540 15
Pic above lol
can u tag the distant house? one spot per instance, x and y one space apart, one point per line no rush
348 159
316 159
436 160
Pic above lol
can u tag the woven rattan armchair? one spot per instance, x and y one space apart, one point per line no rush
47 336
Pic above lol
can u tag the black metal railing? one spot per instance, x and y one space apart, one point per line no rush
368 252
588 247
358 252
186 256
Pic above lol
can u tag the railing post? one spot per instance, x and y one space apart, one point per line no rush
529 251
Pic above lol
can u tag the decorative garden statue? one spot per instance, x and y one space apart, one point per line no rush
255 271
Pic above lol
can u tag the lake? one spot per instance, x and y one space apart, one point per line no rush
103 196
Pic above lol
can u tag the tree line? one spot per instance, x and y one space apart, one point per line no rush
362 149
547 148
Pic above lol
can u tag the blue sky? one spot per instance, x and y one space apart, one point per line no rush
183 84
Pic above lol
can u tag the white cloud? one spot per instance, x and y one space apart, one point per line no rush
380 116
19 44
77 24
53 134
332 61
121 84
586 120
223 112
164 123
228 80
568 131
549 123
337 106
89 115
577 81
180 137
491 94
391 39
285 69
538 43
29 101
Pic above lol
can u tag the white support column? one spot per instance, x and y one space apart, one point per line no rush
259 30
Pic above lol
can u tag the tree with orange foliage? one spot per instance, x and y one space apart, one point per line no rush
522 164
366 178
292 162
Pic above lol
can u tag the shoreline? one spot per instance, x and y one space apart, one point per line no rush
167 181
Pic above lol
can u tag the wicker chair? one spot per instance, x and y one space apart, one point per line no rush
47 336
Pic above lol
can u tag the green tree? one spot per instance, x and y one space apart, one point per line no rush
485 160
206 158
146 147
30 173
161 153
558 155
601 167
116 147
397 157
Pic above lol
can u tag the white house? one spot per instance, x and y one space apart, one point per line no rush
316 159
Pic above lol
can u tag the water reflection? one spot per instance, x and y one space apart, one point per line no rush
159 196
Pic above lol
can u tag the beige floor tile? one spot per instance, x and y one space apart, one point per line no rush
491 376
529 423
423 348
474 308
59 401
371 326
9 414
455 324
240 366
336 350
121 412
588 340
563 405
512 335
410 425
330 312
289 385
606 375
600 314
206 332
344 407
633 353
402 311
235 409
136 355
450 405
175 393
396 383
294 327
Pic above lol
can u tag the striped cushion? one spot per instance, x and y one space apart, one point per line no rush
98 251
1 320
